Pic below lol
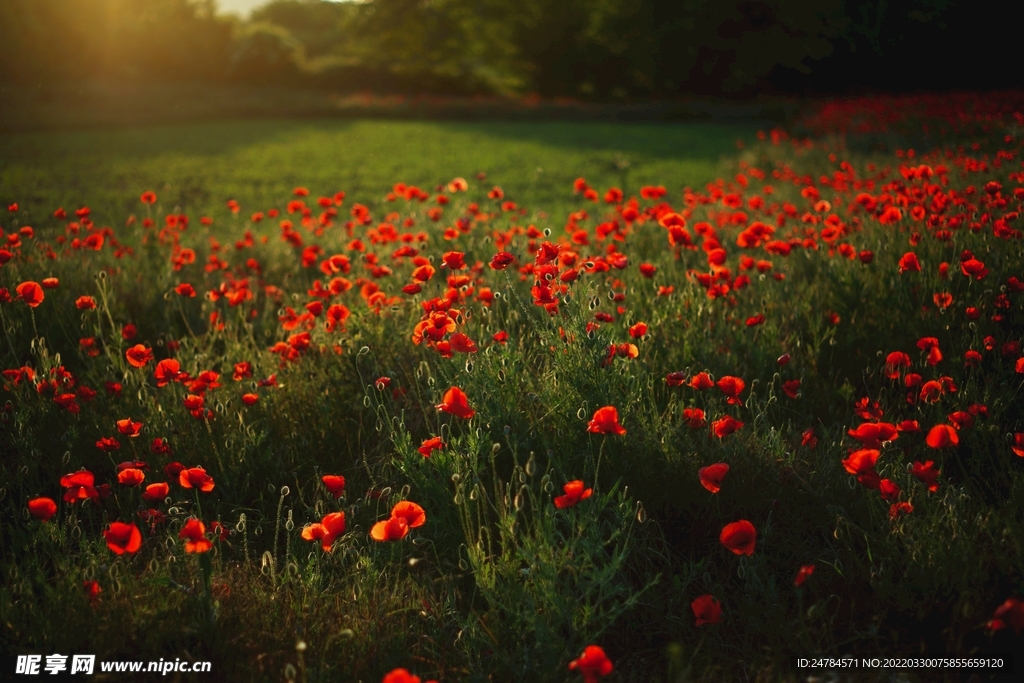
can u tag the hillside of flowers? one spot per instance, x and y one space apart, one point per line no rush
677 434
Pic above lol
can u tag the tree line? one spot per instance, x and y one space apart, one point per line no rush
589 49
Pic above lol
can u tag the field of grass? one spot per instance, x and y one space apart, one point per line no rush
702 407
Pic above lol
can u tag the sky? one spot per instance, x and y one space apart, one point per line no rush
242 7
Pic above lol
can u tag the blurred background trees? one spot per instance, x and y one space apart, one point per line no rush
588 49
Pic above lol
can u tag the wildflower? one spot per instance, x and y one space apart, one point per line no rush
92 589
606 421
42 508
404 516
196 477
909 262
185 289
430 445
801 576
79 486
872 434
593 664
129 428
148 197
31 293
739 537
501 260
1018 444
194 534
85 303
725 426
130 476
888 489
791 388
942 436
1010 613
326 531
901 508
711 476
694 418
335 484
403 675
123 538
574 493
156 492
250 399
455 402
139 355
707 609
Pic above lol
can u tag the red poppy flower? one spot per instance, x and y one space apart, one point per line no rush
194 534
972 267
808 438
606 421
173 469
888 489
85 303
31 293
131 476
791 388
148 197
129 428
872 434
92 589
1018 444
592 664
861 462
501 260
454 260
42 508
927 474
250 399
108 443
196 477
501 336
909 262
574 493
139 355
402 675
725 426
801 576
732 387
694 418
893 362
160 447
901 508
739 537
79 486
942 436
711 476
156 492
128 332
326 531
707 609
756 320
393 529
432 444
185 289
1010 613
123 538
455 402
335 484
412 513
701 381
462 344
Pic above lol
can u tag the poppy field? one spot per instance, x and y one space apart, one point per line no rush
427 431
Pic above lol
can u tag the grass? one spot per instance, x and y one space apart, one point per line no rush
499 583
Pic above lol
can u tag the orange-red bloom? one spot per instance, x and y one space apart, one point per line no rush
732 387
1010 613
725 426
739 537
606 421
156 492
455 402
129 428
85 303
194 533
42 508
711 476
432 444
393 529
574 493
592 664
196 477
326 531
402 675
707 609
79 486
31 293
927 474
942 436
335 484
123 538
801 576
131 476
139 355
